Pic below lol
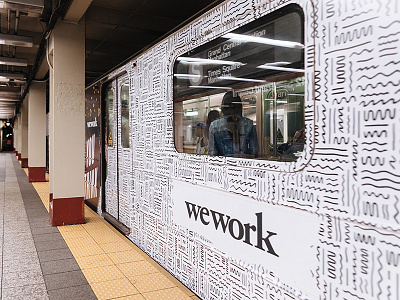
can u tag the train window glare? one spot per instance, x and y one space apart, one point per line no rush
124 96
110 117
242 95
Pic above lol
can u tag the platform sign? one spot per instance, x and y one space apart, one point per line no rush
279 239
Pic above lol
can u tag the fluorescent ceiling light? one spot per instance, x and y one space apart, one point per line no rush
278 63
12 61
9 99
16 40
196 60
15 76
240 79
210 87
281 69
261 40
187 76
192 113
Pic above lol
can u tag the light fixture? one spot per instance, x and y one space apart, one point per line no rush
210 87
1 4
207 61
12 61
16 40
240 79
15 76
187 76
281 69
261 40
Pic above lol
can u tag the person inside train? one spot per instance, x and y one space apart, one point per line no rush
233 135
201 145
211 117
294 149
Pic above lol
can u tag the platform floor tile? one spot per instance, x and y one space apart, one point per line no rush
114 267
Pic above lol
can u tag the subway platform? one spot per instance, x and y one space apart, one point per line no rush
88 261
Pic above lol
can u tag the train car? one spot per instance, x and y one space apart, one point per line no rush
254 152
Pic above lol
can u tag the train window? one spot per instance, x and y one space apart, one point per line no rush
124 96
110 117
242 95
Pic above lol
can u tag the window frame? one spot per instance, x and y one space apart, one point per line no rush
277 78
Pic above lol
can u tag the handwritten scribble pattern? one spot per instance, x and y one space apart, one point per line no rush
348 177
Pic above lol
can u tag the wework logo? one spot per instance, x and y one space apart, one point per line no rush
239 231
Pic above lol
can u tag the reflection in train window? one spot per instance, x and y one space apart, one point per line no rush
242 95
110 117
124 96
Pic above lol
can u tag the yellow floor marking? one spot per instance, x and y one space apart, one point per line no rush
115 267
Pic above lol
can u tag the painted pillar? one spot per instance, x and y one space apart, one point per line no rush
37 132
15 136
24 133
19 135
67 123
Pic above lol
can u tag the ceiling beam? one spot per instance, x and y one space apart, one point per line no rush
76 11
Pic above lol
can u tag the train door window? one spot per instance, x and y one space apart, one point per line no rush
110 117
242 95
124 96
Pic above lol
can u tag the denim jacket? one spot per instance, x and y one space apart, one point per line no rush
221 142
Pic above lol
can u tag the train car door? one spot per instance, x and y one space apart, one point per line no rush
117 165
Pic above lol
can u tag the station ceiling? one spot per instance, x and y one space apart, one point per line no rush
115 31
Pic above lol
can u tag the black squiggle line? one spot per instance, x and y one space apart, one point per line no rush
382 171
325 167
388 42
374 149
381 233
365 60
366 68
380 101
381 179
380 73
397 210
357 15
347 48
379 272
335 209
379 83
385 49
386 36
376 195
388 243
381 186
392 63
388 54
349 36
373 143
334 159
383 27
359 53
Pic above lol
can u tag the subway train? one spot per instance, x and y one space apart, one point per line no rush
254 152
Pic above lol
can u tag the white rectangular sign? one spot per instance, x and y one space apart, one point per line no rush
280 239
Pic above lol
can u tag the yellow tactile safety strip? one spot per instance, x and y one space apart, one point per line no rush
114 267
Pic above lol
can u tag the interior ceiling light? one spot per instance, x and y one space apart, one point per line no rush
210 87
16 40
196 60
240 79
281 69
12 61
261 40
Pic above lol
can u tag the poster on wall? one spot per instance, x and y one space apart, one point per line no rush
278 239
